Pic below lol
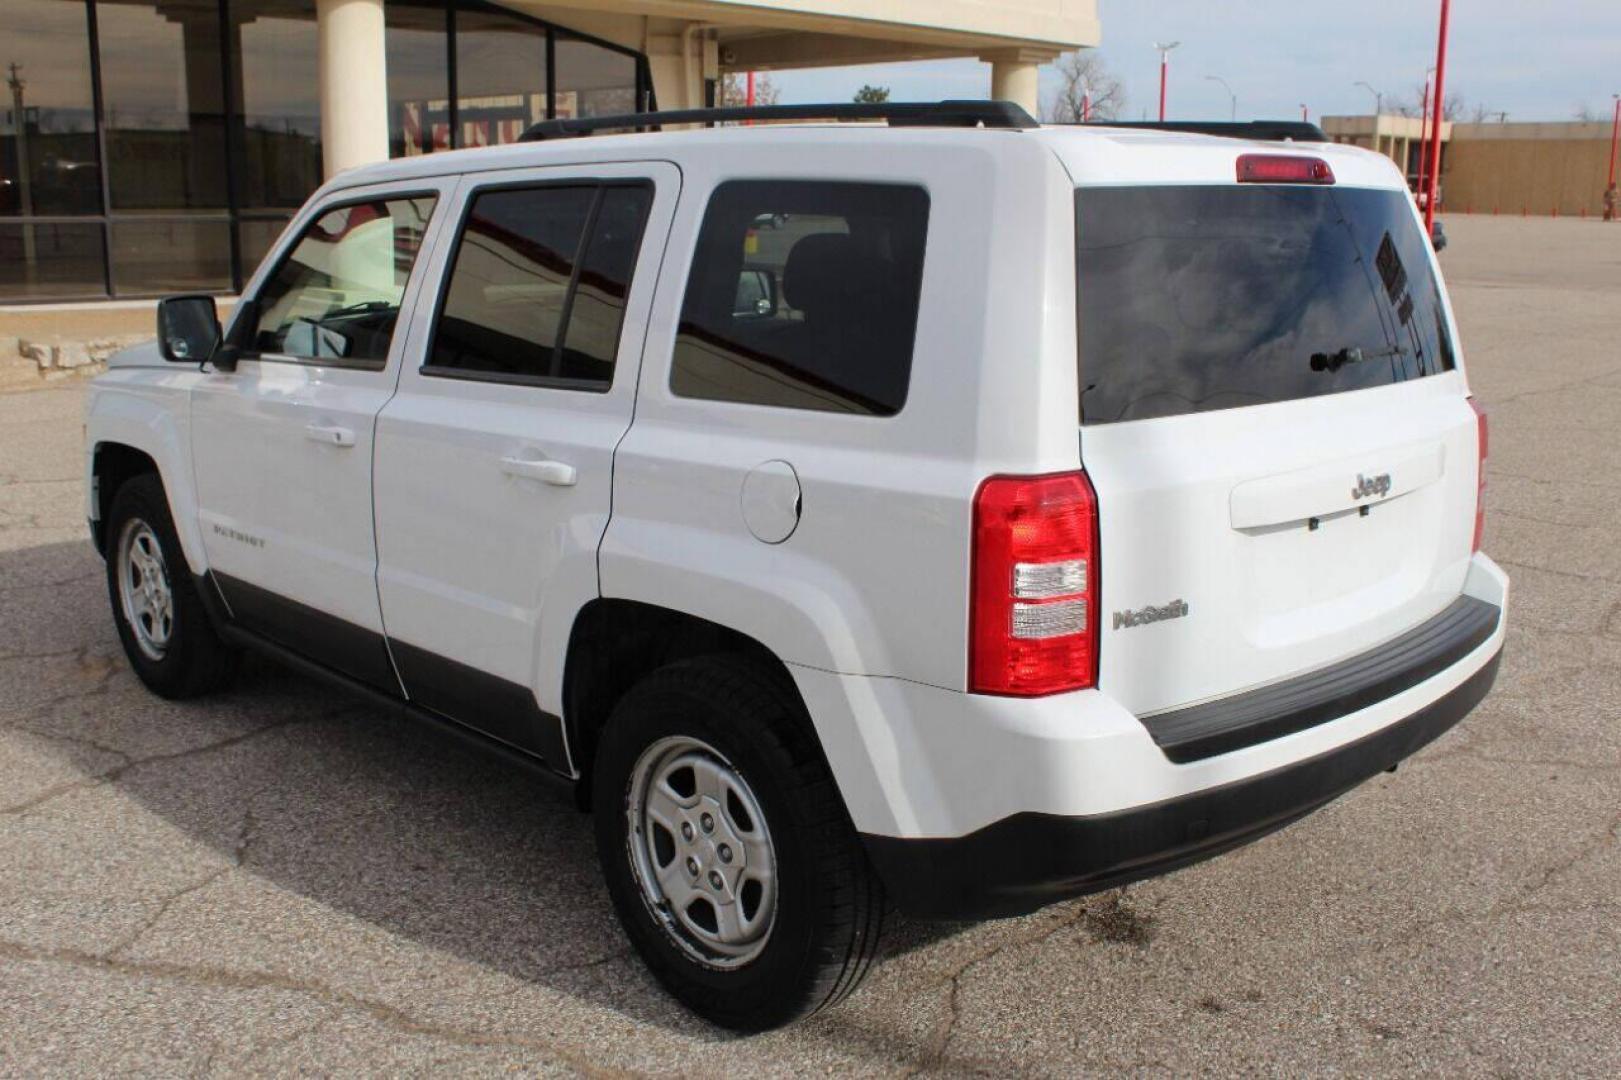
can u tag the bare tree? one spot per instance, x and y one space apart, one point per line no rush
1586 113
1454 108
1080 73
733 90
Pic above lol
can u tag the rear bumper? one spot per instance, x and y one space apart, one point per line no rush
1029 860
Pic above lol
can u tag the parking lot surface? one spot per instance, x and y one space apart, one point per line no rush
280 880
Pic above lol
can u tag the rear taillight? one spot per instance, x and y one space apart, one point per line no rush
1480 488
1033 611
1283 169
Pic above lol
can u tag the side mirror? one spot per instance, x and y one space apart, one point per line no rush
188 329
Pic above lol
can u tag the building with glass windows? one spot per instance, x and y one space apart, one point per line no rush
159 146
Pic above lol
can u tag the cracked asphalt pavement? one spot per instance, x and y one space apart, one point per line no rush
280 880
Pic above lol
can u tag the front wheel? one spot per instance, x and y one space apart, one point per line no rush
728 853
161 621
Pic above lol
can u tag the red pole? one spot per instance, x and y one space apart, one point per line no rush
1440 114
1423 136
748 95
1086 107
1164 63
1615 133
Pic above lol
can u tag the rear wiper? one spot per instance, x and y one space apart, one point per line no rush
1349 355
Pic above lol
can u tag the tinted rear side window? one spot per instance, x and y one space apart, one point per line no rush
1201 298
804 295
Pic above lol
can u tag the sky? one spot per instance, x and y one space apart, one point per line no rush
1534 59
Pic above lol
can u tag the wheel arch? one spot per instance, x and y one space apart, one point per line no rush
615 643
132 431
112 465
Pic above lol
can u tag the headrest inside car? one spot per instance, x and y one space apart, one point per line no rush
827 272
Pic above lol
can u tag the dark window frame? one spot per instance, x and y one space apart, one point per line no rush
248 304
234 214
598 185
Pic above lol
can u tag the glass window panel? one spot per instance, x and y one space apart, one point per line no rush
168 256
591 338
164 103
804 295
255 238
592 80
50 262
1194 298
48 160
273 44
418 78
500 77
337 294
510 282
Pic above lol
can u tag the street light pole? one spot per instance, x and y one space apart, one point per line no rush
1164 67
1232 96
25 168
1615 134
1440 115
1423 135
1378 98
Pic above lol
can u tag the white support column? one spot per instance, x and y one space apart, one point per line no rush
1015 76
677 62
354 83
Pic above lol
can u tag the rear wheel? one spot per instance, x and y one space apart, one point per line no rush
161 621
728 852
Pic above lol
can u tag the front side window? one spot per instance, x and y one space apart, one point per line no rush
336 295
538 286
804 295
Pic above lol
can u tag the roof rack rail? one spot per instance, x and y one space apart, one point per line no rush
1264 130
991 114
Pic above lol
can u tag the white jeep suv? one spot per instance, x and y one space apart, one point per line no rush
957 514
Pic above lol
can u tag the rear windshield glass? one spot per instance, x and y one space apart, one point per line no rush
1202 298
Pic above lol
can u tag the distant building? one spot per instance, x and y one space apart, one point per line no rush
1502 168
152 146
1402 139
1535 168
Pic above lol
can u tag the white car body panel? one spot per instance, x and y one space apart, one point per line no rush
873 580
478 565
284 463
148 409
916 761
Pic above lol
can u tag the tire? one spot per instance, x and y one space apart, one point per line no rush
161 620
749 736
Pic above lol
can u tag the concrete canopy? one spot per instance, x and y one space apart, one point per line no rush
687 41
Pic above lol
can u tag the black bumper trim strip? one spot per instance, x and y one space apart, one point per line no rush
1027 861
1271 712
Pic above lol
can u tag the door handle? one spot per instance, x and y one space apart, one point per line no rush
556 473
331 436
